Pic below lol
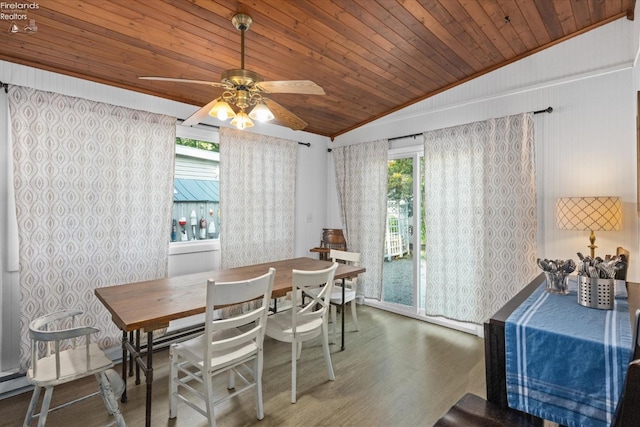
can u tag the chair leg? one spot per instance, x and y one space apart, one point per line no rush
327 353
32 406
173 384
299 350
232 379
208 396
333 323
44 410
294 354
109 398
354 314
257 371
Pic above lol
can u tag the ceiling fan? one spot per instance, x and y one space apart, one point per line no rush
244 88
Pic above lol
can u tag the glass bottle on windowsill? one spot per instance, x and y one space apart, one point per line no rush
212 225
194 222
203 224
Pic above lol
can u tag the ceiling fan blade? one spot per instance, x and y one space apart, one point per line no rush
291 86
285 116
199 115
170 79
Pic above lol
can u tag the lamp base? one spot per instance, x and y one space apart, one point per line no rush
592 246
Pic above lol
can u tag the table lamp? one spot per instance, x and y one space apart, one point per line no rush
589 213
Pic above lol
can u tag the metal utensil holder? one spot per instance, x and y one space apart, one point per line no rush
596 293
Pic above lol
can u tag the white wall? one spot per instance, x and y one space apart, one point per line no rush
586 147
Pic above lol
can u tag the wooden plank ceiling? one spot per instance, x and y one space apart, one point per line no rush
371 57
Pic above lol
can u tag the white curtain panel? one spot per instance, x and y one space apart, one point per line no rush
11 225
361 180
94 189
9 248
257 197
480 216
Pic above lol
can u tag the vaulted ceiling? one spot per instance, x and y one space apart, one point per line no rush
371 57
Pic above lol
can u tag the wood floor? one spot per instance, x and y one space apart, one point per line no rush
395 371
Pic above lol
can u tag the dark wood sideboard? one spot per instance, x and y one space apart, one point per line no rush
494 342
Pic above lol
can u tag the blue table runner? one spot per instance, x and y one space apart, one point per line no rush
564 362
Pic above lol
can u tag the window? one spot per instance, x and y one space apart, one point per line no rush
196 196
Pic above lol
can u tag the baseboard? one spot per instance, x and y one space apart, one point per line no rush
17 384
409 312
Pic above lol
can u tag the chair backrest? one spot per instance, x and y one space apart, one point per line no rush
628 410
317 285
346 257
636 337
351 258
623 253
228 293
58 332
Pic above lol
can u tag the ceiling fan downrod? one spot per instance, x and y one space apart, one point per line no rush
242 22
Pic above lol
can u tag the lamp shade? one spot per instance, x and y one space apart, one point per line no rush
241 120
221 110
261 113
589 213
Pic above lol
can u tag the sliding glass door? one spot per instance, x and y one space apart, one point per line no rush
403 285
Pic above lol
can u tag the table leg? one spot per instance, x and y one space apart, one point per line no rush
123 398
343 282
149 376
138 350
131 358
146 366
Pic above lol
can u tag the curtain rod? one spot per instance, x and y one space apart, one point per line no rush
199 124
308 144
546 110
5 86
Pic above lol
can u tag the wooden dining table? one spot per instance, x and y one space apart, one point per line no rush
150 305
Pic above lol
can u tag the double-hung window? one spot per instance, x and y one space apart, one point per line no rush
196 194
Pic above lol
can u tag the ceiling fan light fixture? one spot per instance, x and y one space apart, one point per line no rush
261 113
222 110
242 120
242 90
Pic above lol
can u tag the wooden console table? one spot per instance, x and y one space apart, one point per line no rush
323 253
495 343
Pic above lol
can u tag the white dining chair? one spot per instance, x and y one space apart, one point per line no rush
231 345
57 358
351 288
303 323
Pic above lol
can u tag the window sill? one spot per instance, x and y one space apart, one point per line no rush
194 246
